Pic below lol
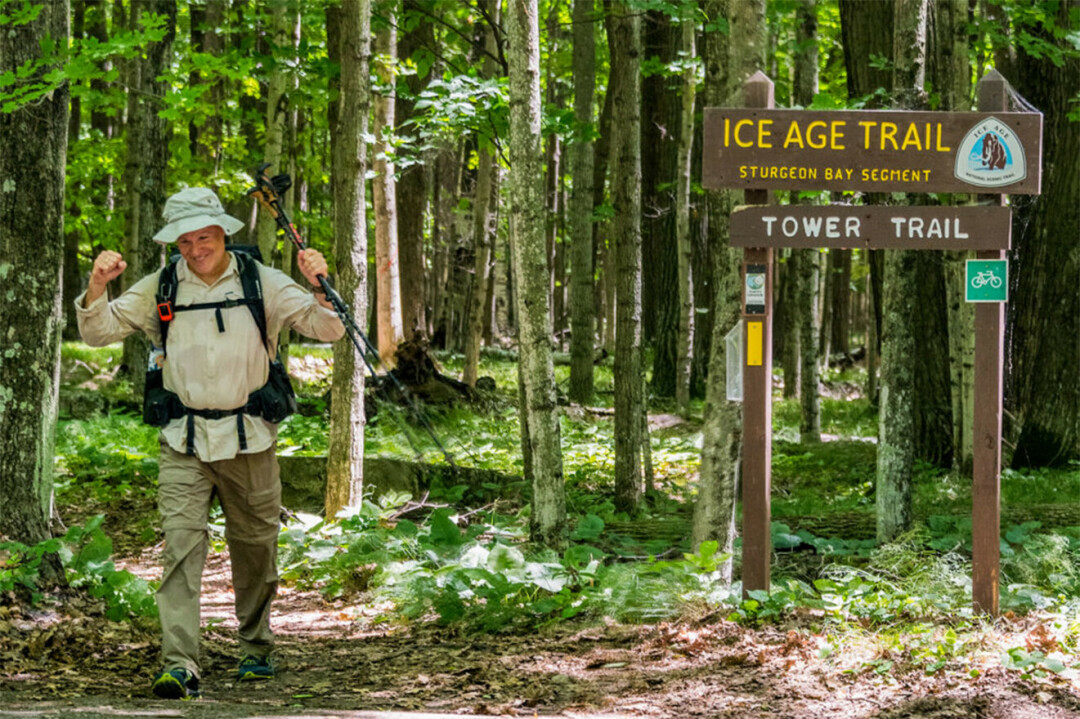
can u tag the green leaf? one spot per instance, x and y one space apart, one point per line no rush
405 528
588 528
444 533
504 557
95 551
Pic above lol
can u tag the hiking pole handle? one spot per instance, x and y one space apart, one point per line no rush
268 191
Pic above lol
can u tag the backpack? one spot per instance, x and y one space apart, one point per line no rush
274 401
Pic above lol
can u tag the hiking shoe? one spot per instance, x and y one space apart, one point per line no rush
176 684
253 668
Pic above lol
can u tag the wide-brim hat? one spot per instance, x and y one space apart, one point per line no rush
193 209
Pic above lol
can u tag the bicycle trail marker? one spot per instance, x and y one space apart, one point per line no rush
987 281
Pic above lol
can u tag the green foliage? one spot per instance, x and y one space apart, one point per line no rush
1031 664
59 64
108 457
84 552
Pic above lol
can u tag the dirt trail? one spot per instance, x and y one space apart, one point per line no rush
341 660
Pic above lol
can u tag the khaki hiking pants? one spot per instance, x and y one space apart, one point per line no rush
249 489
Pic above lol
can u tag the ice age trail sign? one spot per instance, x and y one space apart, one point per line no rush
874 151
758 148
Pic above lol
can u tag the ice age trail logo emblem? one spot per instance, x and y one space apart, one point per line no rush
990 155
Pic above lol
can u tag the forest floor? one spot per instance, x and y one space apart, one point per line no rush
899 642
63 659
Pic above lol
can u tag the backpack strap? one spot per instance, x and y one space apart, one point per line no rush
248 268
166 299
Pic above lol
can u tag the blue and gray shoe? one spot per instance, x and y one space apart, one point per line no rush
176 684
253 668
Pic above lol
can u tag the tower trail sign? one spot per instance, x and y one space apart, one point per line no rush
758 148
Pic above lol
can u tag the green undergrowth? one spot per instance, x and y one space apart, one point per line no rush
468 564
85 553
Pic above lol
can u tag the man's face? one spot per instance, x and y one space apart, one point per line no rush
204 251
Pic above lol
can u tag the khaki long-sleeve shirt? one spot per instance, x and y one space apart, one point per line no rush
205 367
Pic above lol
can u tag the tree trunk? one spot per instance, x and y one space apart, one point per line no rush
807 299
728 64
384 197
684 345
345 455
866 30
601 231
624 40
412 187
805 262
933 406
485 204
876 261
660 113
702 278
898 438
276 104
1044 318
293 125
33 147
786 338
552 176
72 283
147 164
581 205
839 299
208 36
547 523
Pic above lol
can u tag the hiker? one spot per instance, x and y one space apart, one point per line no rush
213 317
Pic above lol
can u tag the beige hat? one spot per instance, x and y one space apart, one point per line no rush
193 209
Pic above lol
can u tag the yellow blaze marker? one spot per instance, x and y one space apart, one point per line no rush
753 344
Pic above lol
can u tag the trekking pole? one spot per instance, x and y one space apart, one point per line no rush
268 191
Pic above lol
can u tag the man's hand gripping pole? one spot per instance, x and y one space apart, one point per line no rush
268 191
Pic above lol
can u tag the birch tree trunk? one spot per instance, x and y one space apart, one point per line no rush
729 60
684 348
581 205
899 360
384 198
484 220
624 39
345 460
547 524
33 152
276 103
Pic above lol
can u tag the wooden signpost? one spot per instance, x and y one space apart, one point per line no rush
758 148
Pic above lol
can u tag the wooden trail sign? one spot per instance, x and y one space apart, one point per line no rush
872 226
873 150
1008 163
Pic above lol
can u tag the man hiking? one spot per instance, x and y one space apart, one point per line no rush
214 317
